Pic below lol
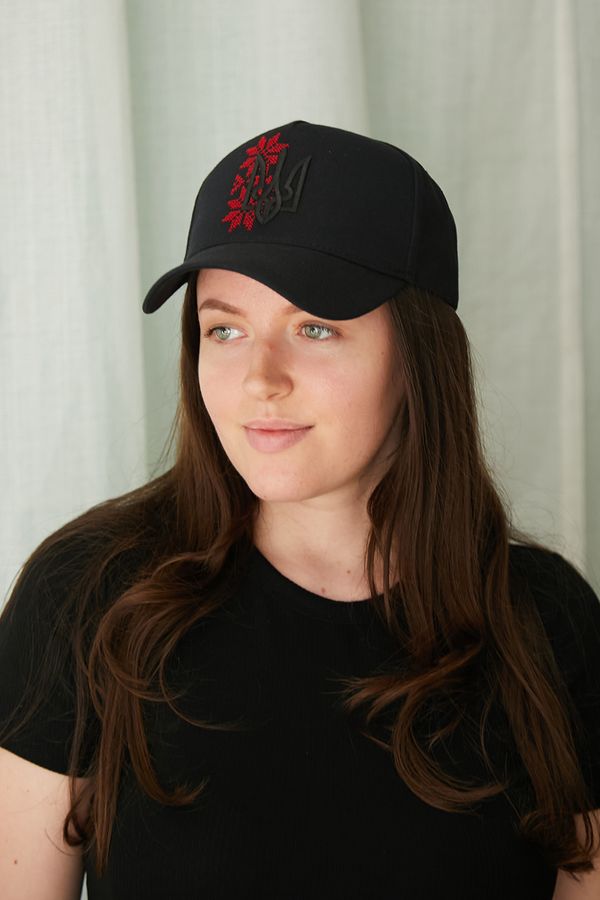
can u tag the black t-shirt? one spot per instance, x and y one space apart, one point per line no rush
300 804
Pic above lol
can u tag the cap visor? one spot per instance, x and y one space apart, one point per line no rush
317 282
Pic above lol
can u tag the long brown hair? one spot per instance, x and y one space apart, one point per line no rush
166 554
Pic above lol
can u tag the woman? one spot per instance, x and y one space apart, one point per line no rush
314 658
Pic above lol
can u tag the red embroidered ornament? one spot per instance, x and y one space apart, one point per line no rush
260 198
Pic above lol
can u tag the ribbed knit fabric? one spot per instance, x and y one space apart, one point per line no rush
300 805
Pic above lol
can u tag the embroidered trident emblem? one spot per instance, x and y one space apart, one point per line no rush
260 197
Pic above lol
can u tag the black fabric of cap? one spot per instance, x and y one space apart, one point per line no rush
334 221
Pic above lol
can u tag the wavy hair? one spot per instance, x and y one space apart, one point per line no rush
466 627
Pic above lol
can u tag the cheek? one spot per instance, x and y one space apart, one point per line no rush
370 426
215 390
360 401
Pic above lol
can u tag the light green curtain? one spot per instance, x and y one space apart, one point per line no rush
113 112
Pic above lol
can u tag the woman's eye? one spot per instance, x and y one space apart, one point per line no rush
313 325
209 332
331 331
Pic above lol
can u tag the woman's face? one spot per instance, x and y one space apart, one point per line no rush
272 359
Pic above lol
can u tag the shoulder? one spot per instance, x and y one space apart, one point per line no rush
46 629
558 584
109 543
567 603
78 573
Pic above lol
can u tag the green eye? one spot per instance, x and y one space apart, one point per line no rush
209 332
321 327
317 328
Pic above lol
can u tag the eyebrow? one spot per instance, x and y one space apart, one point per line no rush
212 303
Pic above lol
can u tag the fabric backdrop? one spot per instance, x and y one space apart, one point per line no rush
113 112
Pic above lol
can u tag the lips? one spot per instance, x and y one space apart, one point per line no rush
274 424
270 440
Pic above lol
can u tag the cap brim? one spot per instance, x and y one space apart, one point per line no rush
317 282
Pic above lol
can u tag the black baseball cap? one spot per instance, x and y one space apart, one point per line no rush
334 221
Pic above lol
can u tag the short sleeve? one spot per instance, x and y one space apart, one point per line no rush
570 611
36 658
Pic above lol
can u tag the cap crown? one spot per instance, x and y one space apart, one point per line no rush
335 191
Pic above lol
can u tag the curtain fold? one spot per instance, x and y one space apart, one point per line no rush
71 356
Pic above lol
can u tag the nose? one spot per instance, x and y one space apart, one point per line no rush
267 373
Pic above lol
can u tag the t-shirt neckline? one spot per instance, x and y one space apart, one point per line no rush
305 601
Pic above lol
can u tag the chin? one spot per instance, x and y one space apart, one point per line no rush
277 493
278 488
